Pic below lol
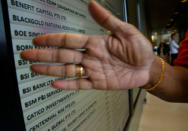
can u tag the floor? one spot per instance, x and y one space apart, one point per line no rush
159 115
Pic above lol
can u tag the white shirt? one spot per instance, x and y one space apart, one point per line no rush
173 47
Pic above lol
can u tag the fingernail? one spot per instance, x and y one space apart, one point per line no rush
53 83
22 55
30 68
33 41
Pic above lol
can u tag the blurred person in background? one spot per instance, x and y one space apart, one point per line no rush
166 52
159 49
173 48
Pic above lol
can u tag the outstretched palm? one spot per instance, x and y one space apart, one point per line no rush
118 61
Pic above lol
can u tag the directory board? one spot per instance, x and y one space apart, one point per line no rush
49 109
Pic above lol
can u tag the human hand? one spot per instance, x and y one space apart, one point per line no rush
121 60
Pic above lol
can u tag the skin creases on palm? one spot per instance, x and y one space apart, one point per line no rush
108 66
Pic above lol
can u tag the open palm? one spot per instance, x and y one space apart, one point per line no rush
121 60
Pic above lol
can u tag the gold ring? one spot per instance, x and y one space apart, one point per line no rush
79 71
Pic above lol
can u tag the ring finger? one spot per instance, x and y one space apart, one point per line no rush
65 71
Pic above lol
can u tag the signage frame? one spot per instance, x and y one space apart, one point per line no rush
12 106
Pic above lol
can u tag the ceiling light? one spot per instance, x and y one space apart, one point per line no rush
168 24
171 20
153 38
183 1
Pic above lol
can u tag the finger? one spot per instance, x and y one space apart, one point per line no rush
53 55
73 84
107 20
64 71
73 41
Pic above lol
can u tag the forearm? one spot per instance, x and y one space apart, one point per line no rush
174 85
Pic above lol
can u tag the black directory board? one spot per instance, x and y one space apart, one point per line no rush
33 103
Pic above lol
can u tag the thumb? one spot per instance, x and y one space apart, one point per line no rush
107 20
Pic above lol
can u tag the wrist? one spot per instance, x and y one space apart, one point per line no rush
154 73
